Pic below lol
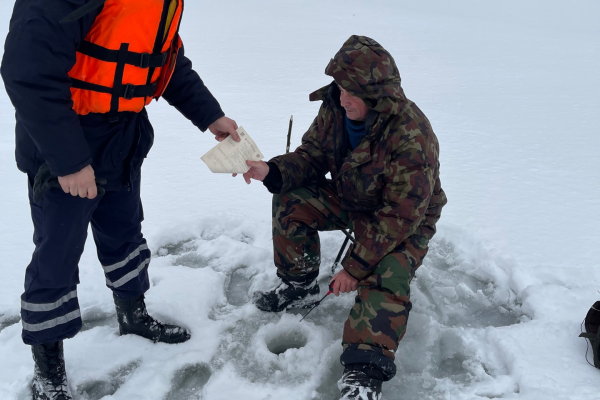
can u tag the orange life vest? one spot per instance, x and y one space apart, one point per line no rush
127 57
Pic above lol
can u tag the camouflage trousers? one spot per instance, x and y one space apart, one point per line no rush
377 321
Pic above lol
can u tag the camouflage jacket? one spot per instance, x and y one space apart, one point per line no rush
390 182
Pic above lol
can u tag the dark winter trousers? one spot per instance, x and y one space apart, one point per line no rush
49 305
377 322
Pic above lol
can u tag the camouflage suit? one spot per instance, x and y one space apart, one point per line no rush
387 191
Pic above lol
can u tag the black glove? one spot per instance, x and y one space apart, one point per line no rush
44 180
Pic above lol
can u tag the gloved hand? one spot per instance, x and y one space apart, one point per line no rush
44 180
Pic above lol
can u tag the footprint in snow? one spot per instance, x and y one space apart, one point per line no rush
178 248
8 320
446 286
191 260
187 383
98 389
186 253
97 316
237 288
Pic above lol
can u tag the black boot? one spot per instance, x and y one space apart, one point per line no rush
134 319
361 382
301 292
49 377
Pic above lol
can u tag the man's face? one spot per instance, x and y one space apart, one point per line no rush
356 109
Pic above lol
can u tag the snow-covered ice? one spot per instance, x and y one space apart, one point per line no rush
512 89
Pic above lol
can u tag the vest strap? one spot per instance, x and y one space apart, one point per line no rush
141 60
129 91
118 87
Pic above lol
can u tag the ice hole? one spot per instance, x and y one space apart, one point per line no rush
281 344
237 290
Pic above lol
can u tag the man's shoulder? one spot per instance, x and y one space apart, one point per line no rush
35 18
410 131
58 10
410 122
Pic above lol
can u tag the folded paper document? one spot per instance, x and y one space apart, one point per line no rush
230 156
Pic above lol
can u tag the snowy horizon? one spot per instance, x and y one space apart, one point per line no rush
512 90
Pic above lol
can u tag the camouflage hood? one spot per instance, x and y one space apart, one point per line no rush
365 69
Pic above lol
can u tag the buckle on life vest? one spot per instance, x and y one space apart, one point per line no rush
129 91
144 60
148 60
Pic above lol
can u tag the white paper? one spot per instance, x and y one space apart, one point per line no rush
230 156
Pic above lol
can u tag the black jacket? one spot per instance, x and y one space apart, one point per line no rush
38 54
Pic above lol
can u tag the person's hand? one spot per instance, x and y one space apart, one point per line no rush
258 171
224 127
342 282
82 183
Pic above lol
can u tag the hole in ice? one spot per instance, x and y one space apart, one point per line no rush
237 290
95 316
188 382
97 389
281 344
191 260
8 320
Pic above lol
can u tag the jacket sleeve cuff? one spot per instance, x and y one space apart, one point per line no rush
67 170
203 125
273 181
356 266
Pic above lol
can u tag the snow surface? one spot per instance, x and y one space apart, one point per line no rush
513 92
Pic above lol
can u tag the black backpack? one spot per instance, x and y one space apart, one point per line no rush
592 331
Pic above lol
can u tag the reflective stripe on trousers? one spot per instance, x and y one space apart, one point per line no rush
52 323
128 269
60 313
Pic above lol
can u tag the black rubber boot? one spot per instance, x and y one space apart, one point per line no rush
134 319
49 377
360 382
302 292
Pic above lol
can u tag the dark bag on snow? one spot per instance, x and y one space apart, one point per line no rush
592 331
